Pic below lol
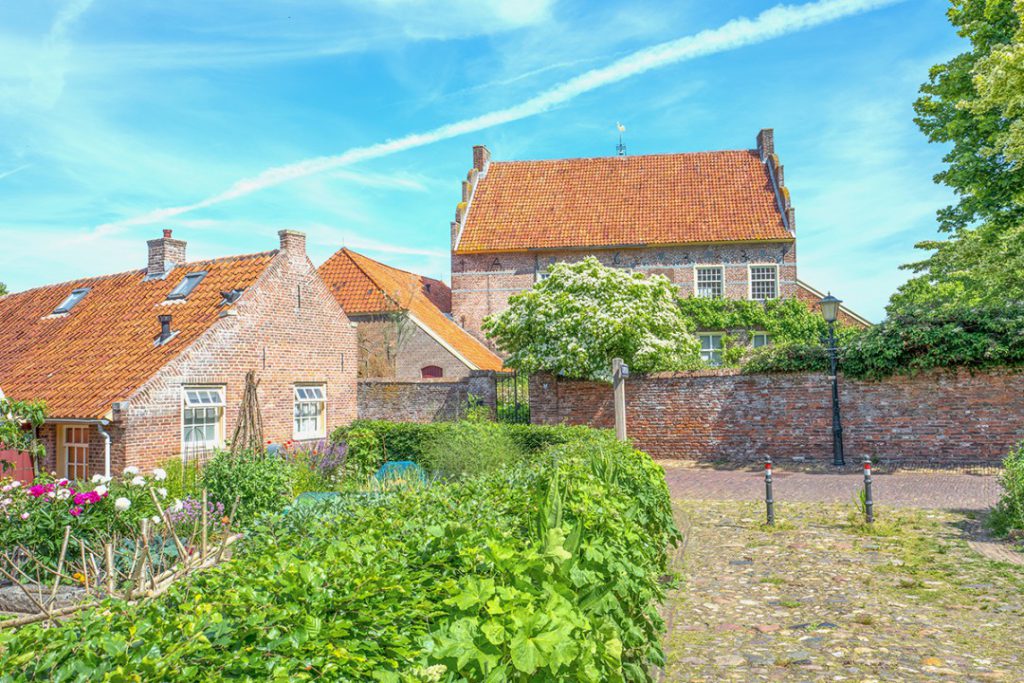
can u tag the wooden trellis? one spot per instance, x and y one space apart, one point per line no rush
248 434
126 568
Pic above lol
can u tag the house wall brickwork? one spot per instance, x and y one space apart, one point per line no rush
424 400
483 283
385 353
288 327
946 418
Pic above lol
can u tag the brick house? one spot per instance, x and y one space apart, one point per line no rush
404 328
139 367
718 224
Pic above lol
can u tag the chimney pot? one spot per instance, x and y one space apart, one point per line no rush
165 328
164 254
293 241
481 157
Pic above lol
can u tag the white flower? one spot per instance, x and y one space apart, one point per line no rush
139 481
162 493
177 506
100 479
130 471
51 494
159 474
63 494
122 504
155 519
100 490
15 484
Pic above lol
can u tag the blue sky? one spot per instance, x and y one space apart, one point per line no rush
227 121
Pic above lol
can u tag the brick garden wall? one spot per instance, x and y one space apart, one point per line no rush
720 415
423 400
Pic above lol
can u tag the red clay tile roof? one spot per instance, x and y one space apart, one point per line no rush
100 352
364 286
655 199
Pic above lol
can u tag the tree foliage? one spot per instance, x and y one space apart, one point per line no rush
19 422
583 314
975 102
3 289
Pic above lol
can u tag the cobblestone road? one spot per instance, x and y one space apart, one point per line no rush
823 597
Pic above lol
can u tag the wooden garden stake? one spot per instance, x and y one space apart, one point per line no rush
60 562
170 527
85 565
108 557
202 547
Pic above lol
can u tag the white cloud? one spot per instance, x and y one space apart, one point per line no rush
6 174
771 23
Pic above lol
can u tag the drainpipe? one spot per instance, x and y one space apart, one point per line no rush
106 446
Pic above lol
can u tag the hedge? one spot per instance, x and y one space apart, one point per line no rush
548 570
973 338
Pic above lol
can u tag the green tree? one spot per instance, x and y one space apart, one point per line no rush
583 314
3 289
974 101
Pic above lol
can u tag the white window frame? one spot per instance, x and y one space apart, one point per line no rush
309 394
754 334
217 395
711 350
69 472
721 280
750 280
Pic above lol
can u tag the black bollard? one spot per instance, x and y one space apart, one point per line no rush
869 505
769 501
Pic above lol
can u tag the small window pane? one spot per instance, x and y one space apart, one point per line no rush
711 349
760 339
763 282
187 284
709 283
70 302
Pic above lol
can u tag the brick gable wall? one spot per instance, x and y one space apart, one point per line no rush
416 350
946 418
483 283
285 338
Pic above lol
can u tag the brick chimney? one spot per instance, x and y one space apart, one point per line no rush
481 157
164 254
293 242
766 142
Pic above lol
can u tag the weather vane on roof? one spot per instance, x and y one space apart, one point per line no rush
620 148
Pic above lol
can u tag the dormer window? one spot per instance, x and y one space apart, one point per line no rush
187 284
73 298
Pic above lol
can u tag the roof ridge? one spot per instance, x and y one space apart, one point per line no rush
370 277
385 265
94 278
625 157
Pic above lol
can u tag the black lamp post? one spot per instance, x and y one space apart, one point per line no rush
830 311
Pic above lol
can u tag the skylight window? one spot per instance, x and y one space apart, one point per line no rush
187 284
73 298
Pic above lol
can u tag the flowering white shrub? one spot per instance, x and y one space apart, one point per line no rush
584 314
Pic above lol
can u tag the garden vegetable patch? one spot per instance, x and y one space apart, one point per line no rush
547 569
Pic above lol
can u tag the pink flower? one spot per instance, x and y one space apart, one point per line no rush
24 515
87 498
75 511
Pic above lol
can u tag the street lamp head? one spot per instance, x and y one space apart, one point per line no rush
830 308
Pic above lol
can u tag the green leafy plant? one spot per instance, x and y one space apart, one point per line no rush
470 449
1007 516
260 484
19 425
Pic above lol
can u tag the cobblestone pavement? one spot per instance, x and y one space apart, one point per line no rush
823 597
928 489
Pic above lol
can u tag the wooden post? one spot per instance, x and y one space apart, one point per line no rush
619 387
108 558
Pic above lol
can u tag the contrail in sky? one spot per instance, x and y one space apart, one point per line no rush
772 23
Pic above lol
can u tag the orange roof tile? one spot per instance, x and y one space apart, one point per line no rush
100 352
364 286
656 199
